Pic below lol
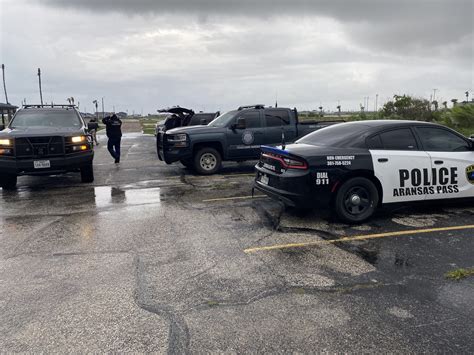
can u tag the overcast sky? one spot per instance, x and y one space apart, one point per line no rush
219 54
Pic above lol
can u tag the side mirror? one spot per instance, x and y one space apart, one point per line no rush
203 122
92 125
2 127
241 124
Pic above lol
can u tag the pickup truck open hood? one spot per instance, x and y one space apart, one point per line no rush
39 131
181 111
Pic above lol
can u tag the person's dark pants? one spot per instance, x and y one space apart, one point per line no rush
113 145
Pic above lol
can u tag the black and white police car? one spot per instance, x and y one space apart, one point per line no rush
354 167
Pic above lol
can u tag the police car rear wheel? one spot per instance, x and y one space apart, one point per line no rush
356 200
207 161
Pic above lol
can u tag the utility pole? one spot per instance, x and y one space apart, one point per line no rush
466 93
103 112
39 82
434 94
96 109
4 86
376 102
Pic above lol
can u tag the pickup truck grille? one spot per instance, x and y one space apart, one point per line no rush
39 147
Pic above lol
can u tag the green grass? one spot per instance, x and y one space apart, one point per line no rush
459 274
148 124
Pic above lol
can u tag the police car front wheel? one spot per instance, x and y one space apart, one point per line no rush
356 200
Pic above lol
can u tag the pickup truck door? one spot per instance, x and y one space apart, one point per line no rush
452 160
245 143
278 122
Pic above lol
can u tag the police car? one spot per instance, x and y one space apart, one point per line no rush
355 167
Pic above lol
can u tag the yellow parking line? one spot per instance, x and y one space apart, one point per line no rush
233 198
355 238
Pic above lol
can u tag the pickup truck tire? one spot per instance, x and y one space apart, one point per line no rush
8 181
207 161
87 173
356 200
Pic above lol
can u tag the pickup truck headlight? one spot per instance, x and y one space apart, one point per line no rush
78 139
178 140
6 142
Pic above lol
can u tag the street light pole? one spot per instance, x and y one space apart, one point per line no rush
103 112
39 82
4 86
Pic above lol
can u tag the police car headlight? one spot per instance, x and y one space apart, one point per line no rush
78 139
175 138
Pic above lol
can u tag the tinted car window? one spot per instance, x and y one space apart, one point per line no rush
252 119
441 140
374 142
276 118
339 135
399 139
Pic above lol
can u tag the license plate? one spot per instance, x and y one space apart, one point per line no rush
42 164
264 179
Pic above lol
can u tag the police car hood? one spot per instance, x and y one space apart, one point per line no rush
40 132
195 130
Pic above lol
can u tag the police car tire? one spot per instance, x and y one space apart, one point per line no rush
214 155
358 188
8 181
87 173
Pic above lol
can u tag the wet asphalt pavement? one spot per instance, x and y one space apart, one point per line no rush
152 258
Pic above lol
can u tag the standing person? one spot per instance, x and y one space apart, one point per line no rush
113 128
93 132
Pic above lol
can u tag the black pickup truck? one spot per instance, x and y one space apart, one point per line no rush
45 140
234 136
180 117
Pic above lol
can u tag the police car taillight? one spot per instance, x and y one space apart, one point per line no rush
291 163
286 162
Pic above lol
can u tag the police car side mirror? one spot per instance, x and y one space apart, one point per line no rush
92 125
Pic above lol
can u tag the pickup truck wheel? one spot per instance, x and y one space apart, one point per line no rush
356 200
8 181
87 173
207 161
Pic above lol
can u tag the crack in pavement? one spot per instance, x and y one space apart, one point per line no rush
179 336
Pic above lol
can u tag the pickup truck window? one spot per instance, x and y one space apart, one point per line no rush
252 119
276 118
46 118
223 120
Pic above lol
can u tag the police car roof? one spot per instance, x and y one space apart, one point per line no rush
388 123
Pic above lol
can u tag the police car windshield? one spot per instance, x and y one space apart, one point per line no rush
338 135
46 118
223 120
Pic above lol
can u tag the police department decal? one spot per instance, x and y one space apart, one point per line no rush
418 182
247 137
470 174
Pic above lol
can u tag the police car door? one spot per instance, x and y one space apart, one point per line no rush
401 167
452 162
245 143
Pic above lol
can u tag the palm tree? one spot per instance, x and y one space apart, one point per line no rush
321 111
467 96
435 104
445 104
339 109
454 101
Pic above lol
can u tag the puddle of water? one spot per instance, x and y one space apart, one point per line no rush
106 196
